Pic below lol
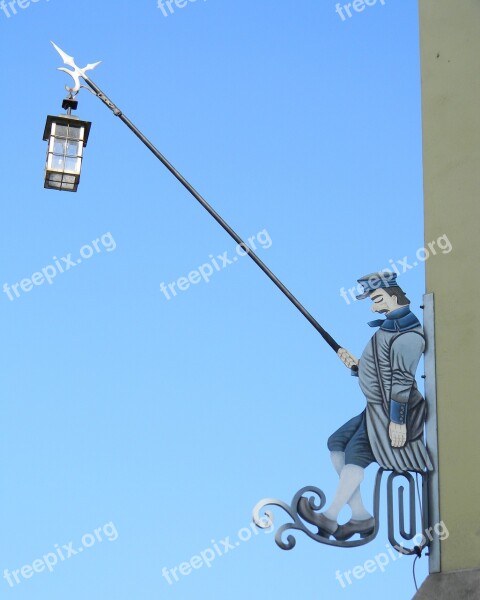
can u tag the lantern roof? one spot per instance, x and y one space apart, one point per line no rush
67 120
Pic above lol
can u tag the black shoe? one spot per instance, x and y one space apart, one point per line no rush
326 526
364 528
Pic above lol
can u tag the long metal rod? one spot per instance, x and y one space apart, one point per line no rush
117 112
432 428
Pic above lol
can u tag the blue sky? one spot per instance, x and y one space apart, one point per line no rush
160 422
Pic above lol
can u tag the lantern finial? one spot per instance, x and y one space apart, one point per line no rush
76 73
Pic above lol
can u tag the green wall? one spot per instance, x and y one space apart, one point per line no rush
450 55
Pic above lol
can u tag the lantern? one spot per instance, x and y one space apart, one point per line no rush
67 135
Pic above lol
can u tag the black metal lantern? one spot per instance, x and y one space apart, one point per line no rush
67 135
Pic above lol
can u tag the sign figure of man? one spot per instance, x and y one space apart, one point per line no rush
390 430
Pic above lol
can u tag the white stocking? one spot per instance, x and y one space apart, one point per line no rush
359 512
351 477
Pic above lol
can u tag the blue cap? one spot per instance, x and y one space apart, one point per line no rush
376 281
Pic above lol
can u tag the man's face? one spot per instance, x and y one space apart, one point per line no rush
383 302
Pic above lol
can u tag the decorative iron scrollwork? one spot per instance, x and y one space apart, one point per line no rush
317 500
412 511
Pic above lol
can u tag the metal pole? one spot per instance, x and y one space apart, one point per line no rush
117 112
432 427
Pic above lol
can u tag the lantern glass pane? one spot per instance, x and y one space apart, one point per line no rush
56 163
60 130
53 181
73 148
72 164
75 133
59 146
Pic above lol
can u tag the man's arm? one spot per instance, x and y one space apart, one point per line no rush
405 355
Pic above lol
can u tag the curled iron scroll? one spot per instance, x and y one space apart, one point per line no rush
317 501
412 525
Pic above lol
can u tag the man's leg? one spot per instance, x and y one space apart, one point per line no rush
350 445
358 455
351 477
359 512
338 460
347 443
